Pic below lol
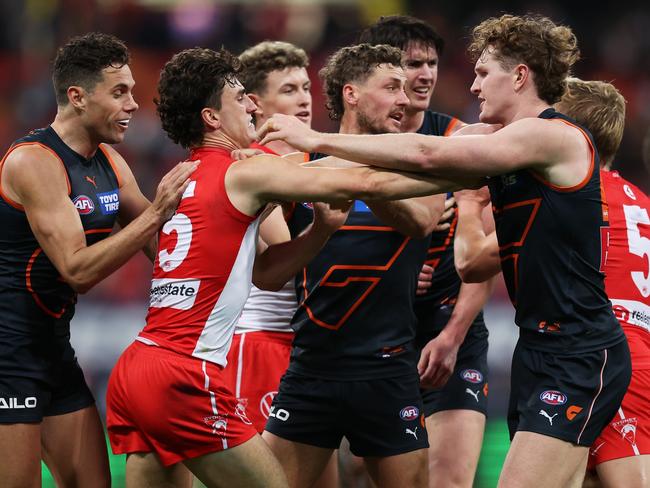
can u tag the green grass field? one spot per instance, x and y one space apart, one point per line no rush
495 446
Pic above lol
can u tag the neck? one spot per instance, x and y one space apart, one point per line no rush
73 133
412 120
281 147
349 124
219 140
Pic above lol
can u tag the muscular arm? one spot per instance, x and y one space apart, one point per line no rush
413 217
34 178
280 259
253 182
476 250
559 153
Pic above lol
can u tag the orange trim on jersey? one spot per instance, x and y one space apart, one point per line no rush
28 284
13 203
603 199
98 231
589 173
373 280
113 165
536 203
306 157
452 123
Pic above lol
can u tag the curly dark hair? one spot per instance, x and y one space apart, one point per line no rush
258 61
400 31
80 62
548 49
353 64
192 80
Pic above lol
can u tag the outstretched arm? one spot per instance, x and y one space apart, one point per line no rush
505 150
254 182
34 178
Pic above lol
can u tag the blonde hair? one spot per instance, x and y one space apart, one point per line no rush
599 107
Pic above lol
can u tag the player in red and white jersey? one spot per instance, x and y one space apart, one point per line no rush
275 77
621 455
168 406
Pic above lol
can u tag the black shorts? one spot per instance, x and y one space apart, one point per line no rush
569 397
467 387
379 417
37 382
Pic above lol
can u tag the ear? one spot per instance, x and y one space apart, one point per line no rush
210 118
77 97
350 94
521 74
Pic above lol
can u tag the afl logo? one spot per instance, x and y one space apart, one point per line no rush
84 204
308 205
409 413
553 397
471 375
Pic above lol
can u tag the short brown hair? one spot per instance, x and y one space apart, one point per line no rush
258 61
192 80
600 108
549 50
82 60
353 64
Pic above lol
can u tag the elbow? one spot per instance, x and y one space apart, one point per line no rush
267 282
467 272
78 283
421 229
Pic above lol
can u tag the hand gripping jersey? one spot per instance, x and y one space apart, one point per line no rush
203 270
355 318
627 273
550 243
35 303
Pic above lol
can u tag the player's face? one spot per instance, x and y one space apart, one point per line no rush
110 105
288 91
382 101
421 67
493 85
236 114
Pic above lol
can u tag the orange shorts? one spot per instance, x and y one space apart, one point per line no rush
173 405
256 362
628 434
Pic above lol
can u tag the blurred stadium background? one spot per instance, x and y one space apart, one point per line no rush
615 47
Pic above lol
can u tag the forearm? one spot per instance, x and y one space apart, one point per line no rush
412 217
90 264
398 151
476 255
281 262
471 300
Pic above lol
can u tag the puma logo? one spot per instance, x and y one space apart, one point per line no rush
412 432
474 394
550 418
91 180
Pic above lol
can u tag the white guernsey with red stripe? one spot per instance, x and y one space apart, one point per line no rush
203 270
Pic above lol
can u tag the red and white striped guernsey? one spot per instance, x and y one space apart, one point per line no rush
203 269
627 275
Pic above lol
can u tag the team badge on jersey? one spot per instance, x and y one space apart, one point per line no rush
109 202
84 205
409 413
360 206
553 397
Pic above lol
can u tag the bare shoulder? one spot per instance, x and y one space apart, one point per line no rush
30 167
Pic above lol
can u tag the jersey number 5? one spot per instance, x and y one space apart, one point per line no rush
638 245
